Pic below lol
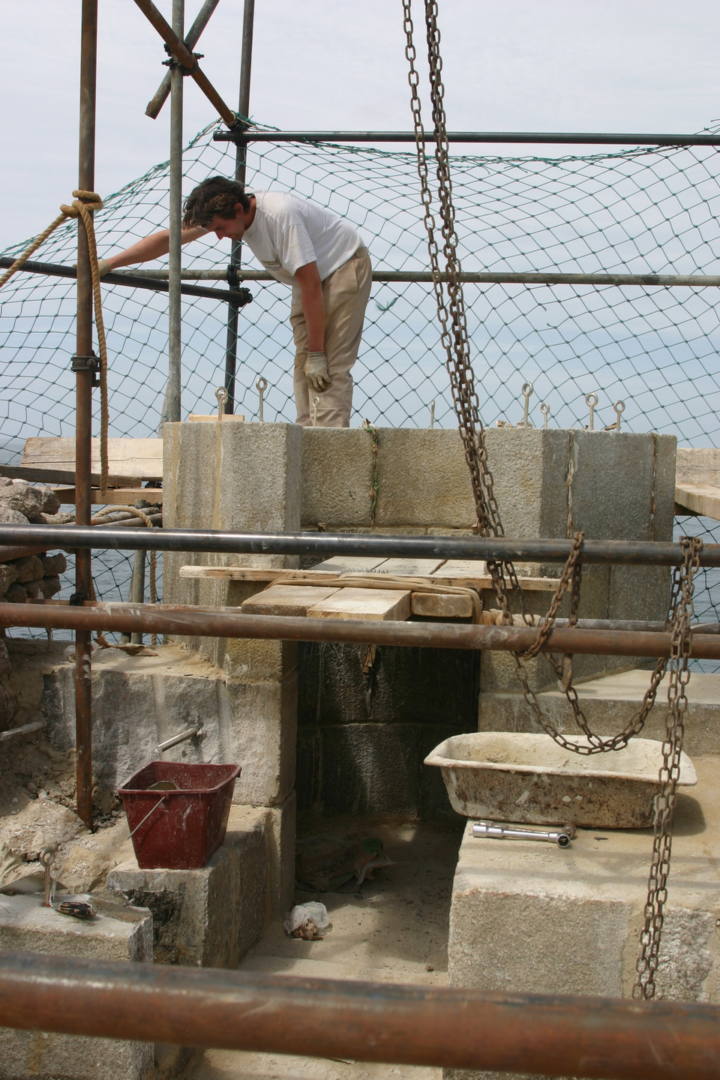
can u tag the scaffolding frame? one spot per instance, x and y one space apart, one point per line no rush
425 1027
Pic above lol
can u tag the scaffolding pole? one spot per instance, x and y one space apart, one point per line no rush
233 270
85 366
323 545
552 1035
572 138
219 622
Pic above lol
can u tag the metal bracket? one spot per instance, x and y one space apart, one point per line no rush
86 363
174 63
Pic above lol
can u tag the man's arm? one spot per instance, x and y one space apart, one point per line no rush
308 280
313 305
151 247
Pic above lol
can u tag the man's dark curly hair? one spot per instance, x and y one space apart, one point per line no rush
215 196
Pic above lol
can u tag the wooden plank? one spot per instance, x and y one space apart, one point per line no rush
697 465
203 418
408 567
316 575
378 604
64 476
703 499
467 569
253 573
121 496
130 457
350 564
441 605
286 600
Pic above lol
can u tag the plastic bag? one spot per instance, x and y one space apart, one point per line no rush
307 921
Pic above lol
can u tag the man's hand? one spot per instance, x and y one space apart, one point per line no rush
103 267
316 371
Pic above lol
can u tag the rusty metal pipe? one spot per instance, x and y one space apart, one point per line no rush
184 56
601 1038
626 552
191 39
188 622
83 412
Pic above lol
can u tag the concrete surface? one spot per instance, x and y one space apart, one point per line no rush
535 918
391 929
209 916
610 703
117 933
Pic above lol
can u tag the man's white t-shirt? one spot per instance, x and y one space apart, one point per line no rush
288 232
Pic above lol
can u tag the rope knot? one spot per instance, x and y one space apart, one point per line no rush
84 201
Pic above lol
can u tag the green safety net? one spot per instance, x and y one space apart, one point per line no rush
638 211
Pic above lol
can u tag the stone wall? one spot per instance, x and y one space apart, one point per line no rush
366 723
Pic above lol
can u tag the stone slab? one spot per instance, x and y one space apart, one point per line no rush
121 934
210 916
532 917
610 704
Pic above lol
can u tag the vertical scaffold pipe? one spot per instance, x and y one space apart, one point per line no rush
231 341
83 410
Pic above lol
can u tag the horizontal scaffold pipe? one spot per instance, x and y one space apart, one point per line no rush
595 1037
135 281
623 552
208 622
245 135
157 279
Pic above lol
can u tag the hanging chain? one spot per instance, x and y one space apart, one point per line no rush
664 805
472 435
454 338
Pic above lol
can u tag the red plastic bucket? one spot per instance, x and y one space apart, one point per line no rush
178 812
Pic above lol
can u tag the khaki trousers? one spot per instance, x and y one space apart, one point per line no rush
345 293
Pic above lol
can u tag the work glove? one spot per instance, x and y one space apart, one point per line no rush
103 267
316 371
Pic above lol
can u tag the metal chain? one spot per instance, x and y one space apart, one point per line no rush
503 573
472 434
665 797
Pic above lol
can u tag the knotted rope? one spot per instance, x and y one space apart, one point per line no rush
83 207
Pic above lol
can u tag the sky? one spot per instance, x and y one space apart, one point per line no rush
563 65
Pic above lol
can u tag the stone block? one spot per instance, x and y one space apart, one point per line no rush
511 900
422 479
378 768
140 701
209 916
121 935
611 703
337 469
239 477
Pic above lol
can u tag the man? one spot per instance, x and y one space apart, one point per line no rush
306 246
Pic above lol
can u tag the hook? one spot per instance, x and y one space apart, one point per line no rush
591 401
527 392
261 386
619 408
545 410
221 396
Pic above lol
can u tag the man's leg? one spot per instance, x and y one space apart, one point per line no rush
300 385
346 294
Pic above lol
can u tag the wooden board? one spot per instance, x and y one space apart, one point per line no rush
203 418
441 605
376 604
127 457
703 499
408 567
349 564
286 600
449 573
114 496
